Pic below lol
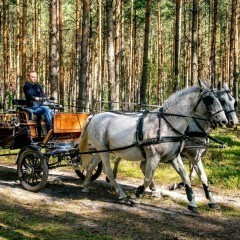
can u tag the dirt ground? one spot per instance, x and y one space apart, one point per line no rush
162 217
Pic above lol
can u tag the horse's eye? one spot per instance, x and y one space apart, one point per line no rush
208 100
222 102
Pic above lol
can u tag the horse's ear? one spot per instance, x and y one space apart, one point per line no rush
219 86
202 84
225 86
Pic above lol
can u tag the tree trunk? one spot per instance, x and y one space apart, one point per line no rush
82 77
111 60
99 85
78 49
235 66
128 86
54 57
18 51
33 39
194 60
38 38
117 50
159 57
24 47
213 46
61 54
143 86
5 56
177 44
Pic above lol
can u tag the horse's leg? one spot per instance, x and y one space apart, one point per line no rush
116 162
197 164
152 185
96 159
105 156
151 165
115 167
192 172
179 167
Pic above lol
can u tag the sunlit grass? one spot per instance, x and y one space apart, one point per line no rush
221 165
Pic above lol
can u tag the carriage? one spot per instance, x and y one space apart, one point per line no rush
38 148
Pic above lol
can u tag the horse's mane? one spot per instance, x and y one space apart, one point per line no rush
179 95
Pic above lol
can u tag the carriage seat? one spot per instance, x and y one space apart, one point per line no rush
26 113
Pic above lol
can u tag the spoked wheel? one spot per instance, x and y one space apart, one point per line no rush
95 173
32 170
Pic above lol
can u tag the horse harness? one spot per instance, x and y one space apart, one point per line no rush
141 142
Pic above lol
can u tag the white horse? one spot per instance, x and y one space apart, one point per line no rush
199 129
163 136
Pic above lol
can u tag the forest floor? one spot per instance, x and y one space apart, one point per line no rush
62 211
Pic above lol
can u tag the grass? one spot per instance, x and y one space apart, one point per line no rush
19 223
24 221
221 165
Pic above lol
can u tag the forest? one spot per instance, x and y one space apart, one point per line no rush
94 54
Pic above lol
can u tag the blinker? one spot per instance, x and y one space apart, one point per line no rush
235 104
208 100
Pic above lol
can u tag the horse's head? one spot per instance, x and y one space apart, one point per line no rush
228 103
209 102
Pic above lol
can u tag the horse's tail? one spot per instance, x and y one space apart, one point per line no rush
83 143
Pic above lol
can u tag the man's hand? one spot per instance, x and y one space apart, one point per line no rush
40 99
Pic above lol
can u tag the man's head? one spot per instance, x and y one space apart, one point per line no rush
32 77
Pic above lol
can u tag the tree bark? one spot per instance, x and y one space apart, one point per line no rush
236 50
82 77
194 60
61 54
38 38
24 47
18 51
5 56
54 56
117 50
213 46
143 86
177 44
111 58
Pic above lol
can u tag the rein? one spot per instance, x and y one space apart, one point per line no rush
140 142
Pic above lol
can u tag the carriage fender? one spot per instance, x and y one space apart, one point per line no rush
37 148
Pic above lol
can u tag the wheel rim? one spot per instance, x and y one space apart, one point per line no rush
31 169
95 173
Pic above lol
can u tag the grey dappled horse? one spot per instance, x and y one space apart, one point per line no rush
109 131
199 129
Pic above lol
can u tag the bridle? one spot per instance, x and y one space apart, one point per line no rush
208 101
223 103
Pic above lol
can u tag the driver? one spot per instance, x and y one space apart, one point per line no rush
35 96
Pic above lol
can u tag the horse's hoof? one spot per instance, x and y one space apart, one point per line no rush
156 194
124 200
85 190
214 206
135 202
173 187
193 209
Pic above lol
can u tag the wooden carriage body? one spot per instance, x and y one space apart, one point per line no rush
21 128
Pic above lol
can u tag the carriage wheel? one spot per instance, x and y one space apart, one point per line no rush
95 173
32 170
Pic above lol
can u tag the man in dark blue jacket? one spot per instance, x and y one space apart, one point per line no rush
35 96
